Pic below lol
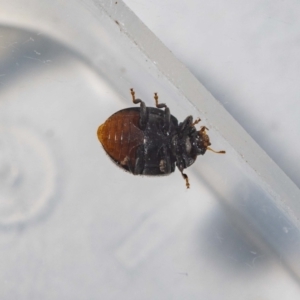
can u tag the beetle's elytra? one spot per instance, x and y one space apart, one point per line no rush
149 141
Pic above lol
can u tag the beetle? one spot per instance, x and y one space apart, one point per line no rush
150 141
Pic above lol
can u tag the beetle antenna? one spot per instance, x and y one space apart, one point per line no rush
220 152
203 128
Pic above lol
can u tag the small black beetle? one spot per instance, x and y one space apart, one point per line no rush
149 141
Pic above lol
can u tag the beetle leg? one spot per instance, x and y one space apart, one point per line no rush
135 101
140 160
186 123
165 165
185 177
203 128
143 119
167 112
196 122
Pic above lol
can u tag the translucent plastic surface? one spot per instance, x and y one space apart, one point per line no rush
75 226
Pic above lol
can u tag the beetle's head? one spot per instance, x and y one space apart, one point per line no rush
202 141
190 142
196 143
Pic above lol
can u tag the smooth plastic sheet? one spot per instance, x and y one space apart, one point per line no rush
73 225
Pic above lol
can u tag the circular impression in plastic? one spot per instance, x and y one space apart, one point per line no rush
27 176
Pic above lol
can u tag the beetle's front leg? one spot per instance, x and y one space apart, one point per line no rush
185 177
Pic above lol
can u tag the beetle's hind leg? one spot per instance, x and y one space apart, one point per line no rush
167 111
144 116
140 160
135 101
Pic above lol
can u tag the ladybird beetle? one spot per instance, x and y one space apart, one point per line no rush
149 141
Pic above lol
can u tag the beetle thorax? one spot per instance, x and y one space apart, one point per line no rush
183 149
186 146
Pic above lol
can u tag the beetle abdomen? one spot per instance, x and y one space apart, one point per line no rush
120 136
